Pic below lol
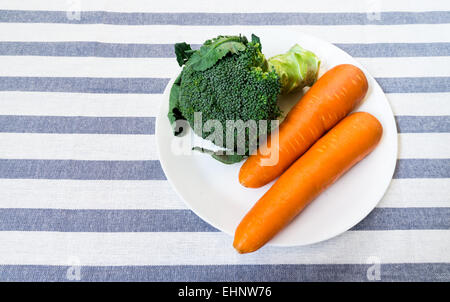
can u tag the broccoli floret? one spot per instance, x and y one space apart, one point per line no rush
228 79
238 87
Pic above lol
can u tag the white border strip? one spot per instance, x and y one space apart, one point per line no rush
74 194
41 66
79 104
432 104
153 194
232 6
78 146
424 145
143 147
105 249
408 193
141 105
167 34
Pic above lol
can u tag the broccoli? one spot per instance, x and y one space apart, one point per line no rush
229 79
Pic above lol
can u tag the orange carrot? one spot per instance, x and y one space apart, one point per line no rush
330 157
328 101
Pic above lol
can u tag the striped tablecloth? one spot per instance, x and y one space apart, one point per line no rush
82 193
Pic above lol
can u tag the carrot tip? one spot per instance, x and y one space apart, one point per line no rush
245 182
240 247
241 250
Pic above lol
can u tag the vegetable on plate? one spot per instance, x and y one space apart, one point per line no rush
338 92
229 79
324 163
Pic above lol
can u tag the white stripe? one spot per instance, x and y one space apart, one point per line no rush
41 66
420 103
143 147
424 145
77 146
417 193
231 5
101 249
407 67
78 104
85 104
75 194
417 33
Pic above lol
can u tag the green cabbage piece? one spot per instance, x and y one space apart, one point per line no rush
296 68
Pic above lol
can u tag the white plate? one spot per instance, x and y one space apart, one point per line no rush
212 190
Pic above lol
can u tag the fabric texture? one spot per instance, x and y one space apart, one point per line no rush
82 192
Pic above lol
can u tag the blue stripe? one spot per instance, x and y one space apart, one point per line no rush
102 221
411 85
87 49
396 49
81 169
83 85
157 85
57 220
151 169
229 273
422 168
405 219
102 17
146 125
422 124
77 124
121 50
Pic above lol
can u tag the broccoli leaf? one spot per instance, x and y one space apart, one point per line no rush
174 113
223 158
214 50
228 159
183 51
255 39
